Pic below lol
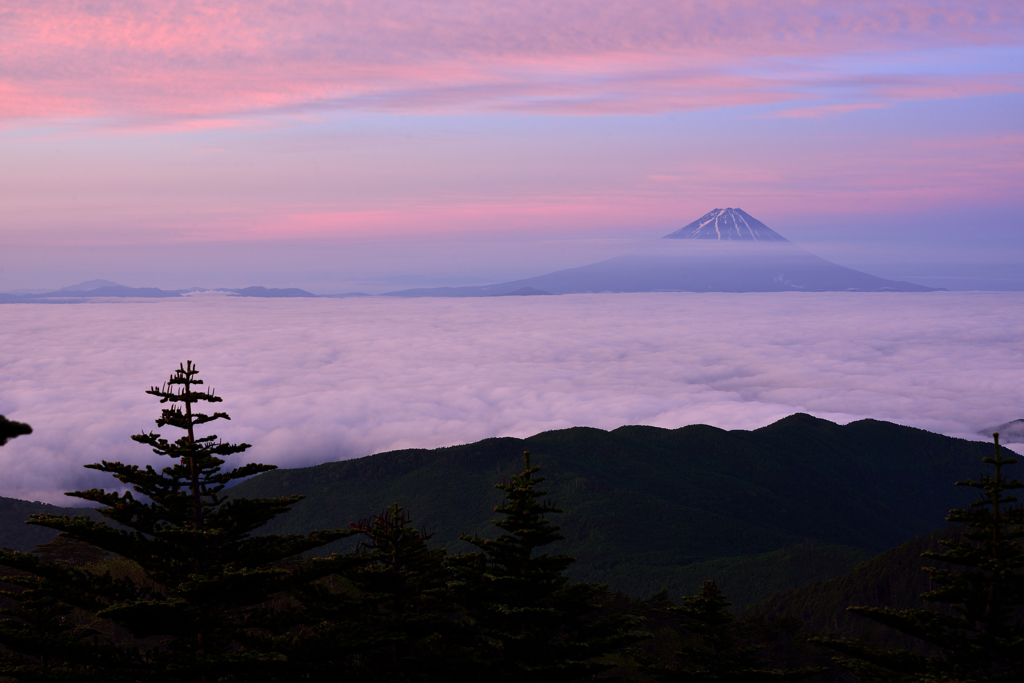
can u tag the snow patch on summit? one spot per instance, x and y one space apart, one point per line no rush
730 225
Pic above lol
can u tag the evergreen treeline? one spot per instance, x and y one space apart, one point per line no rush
182 587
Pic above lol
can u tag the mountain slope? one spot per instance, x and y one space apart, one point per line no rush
726 250
643 503
727 267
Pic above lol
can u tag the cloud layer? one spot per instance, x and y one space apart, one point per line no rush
314 380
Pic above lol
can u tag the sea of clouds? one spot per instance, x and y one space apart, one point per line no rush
312 380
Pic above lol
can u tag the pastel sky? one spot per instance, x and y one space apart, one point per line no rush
321 144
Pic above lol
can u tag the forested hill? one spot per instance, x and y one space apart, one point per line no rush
647 508
17 535
892 579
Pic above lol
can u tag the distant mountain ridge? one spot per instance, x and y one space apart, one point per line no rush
1009 432
95 289
265 293
725 250
89 286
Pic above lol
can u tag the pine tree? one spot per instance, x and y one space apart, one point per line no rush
10 429
208 571
978 633
532 624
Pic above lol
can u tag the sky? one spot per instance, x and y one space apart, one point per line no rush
312 380
353 146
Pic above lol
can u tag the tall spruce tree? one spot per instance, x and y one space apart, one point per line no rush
532 624
978 632
207 570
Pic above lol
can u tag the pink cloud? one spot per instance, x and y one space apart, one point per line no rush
826 109
193 60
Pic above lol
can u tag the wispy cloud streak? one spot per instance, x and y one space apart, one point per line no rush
195 60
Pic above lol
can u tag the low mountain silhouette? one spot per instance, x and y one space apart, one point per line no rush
89 286
726 250
17 535
265 293
1009 432
74 294
763 511
526 291
649 508
95 289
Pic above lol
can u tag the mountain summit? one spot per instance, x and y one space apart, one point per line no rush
727 225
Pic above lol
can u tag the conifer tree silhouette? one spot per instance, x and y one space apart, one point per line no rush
393 621
207 570
979 635
532 623
405 608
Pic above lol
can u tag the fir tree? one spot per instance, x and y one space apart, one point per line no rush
716 646
979 633
10 429
532 623
405 602
207 570
387 613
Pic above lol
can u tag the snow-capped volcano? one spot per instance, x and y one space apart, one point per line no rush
729 225
726 250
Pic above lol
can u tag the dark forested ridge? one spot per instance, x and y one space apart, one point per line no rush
17 535
891 579
647 508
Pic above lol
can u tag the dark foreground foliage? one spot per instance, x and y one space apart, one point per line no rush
183 584
10 429
893 579
975 632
